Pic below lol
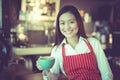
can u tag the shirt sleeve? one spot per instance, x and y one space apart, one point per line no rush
102 61
56 67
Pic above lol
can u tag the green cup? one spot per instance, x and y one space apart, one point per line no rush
46 62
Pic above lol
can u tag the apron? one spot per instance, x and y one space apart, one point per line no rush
81 66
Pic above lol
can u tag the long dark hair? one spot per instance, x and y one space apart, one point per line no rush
73 10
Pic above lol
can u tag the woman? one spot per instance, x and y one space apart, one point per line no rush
77 56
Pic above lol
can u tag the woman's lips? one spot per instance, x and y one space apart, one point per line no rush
68 32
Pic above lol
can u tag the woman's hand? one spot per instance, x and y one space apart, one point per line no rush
47 75
52 76
38 65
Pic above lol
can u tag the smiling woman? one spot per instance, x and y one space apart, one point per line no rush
72 46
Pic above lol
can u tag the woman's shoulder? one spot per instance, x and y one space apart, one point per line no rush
56 48
56 51
93 40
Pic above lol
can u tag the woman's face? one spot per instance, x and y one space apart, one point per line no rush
68 25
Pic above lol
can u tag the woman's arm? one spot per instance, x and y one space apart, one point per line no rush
102 61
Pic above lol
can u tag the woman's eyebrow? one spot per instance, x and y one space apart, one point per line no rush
61 20
68 19
72 19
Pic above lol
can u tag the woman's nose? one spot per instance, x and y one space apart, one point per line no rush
67 25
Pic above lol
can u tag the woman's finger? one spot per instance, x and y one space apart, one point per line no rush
38 65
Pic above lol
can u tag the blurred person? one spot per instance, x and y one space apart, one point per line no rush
5 49
77 56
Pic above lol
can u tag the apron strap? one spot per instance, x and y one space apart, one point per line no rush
63 49
88 44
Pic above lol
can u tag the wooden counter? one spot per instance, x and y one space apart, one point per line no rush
45 50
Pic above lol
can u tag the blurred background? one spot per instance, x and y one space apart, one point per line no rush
27 30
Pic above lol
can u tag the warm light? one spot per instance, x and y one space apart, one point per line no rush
46 32
110 38
35 14
37 3
32 4
53 44
20 29
43 2
22 36
81 12
45 9
87 18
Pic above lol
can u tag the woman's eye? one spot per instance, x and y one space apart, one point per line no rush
71 22
62 23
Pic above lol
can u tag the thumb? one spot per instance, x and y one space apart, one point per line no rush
38 65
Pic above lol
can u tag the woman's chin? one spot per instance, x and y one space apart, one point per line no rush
69 36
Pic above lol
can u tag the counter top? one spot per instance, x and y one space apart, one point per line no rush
45 50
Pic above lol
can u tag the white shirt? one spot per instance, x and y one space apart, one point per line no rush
82 48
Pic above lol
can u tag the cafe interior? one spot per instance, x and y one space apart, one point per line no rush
27 31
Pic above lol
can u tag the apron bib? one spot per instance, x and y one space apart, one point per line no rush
81 66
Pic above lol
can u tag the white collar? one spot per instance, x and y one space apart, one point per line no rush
65 42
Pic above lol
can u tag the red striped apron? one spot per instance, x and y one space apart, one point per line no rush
81 66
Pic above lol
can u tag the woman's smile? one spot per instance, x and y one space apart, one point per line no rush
68 31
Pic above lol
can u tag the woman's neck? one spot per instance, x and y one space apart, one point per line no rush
73 41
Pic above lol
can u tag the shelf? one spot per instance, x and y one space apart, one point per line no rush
38 10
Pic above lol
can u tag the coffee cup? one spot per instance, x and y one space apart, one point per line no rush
46 62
